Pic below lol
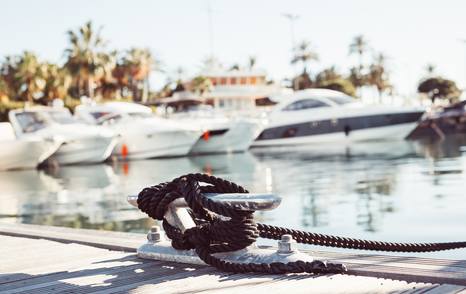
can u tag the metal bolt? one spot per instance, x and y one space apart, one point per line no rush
154 234
286 245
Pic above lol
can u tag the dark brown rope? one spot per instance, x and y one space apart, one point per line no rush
220 228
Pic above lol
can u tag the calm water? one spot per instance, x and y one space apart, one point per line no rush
390 191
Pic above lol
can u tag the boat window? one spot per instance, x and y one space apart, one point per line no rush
31 121
98 114
340 100
305 104
109 119
62 117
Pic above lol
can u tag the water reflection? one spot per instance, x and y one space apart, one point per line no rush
373 190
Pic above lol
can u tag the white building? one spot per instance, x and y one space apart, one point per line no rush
243 89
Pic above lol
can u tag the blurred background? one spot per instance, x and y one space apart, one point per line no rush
352 111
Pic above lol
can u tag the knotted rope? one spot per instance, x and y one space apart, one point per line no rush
221 228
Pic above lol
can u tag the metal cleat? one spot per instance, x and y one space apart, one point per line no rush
159 247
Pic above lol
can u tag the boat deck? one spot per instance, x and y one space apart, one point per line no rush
41 259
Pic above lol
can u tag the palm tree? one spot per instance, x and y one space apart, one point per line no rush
57 83
357 78
135 68
303 54
378 75
107 85
359 46
7 77
29 75
439 88
4 90
84 58
201 85
328 74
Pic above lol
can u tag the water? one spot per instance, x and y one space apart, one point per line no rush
389 191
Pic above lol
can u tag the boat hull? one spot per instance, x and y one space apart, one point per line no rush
85 150
392 127
237 137
24 153
158 144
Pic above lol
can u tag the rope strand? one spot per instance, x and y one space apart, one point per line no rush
236 229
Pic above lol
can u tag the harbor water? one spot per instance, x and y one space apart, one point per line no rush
397 191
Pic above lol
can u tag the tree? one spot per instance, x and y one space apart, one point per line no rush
302 81
27 76
329 78
106 85
179 85
340 84
357 78
201 85
378 75
57 83
303 54
4 90
84 58
133 71
328 74
439 88
359 46
7 78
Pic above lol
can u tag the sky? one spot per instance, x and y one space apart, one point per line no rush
411 33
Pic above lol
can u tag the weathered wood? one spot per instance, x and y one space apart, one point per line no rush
101 239
37 264
122 272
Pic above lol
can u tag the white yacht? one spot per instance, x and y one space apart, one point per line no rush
142 134
321 115
23 153
220 133
81 143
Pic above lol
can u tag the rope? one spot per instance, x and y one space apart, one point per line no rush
221 228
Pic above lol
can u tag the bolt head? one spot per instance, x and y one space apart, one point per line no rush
154 234
286 245
287 238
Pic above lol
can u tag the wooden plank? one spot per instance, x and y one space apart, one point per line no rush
201 283
395 267
118 241
89 281
113 271
329 284
445 289
41 281
180 277
53 281
49 252
384 258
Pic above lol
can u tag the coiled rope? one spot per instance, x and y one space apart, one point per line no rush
221 228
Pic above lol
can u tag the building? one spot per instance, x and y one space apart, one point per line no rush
237 89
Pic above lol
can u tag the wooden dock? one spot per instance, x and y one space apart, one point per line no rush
41 259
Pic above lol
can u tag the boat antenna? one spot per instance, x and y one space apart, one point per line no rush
211 29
